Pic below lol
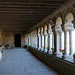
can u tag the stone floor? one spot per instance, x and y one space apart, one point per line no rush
19 61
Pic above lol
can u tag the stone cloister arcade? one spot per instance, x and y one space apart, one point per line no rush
41 28
61 36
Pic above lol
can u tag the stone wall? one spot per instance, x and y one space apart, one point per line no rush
62 66
8 38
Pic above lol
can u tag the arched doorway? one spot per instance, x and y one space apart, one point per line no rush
17 40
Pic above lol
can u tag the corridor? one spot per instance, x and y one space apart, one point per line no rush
19 61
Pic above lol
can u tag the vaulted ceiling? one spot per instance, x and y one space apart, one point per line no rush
21 15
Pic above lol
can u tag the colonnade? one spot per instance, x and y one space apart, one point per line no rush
43 37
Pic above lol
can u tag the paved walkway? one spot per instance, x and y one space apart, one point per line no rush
19 61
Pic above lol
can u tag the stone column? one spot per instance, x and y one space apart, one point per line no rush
36 41
45 43
66 45
50 43
71 45
53 40
57 43
61 40
61 45
39 42
30 39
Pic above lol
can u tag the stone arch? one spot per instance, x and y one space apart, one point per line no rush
41 28
45 27
38 29
59 15
69 17
68 21
49 26
58 24
69 10
58 21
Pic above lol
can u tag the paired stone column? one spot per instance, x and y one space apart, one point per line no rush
66 45
71 44
33 40
61 40
52 40
45 43
36 41
57 43
30 38
39 42
50 43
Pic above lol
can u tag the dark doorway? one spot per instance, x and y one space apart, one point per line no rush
17 39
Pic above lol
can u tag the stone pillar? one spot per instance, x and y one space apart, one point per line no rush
50 43
66 45
45 43
30 39
61 40
36 41
57 43
61 45
53 40
71 45
39 42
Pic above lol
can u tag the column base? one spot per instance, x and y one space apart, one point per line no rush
66 57
42 49
59 54
35 46
39 48
71 56
50 52
45 50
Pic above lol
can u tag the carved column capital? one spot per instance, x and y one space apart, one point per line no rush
69 26
45 32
